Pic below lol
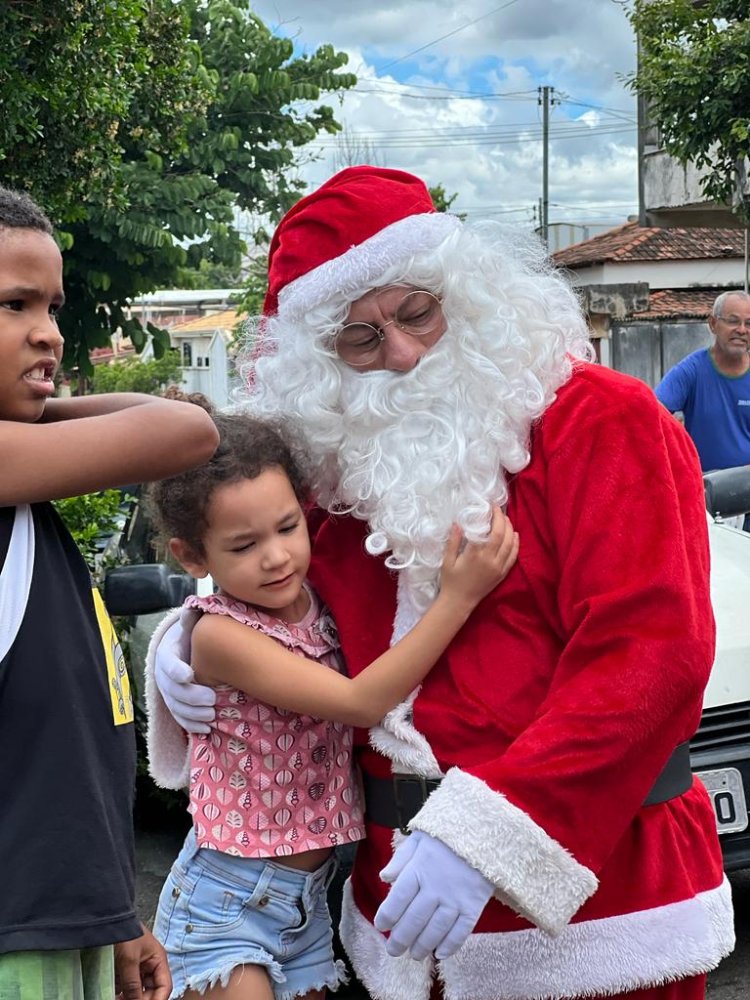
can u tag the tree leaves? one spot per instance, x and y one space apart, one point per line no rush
694 72
144 126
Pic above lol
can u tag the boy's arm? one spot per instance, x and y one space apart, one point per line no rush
96 442
97 405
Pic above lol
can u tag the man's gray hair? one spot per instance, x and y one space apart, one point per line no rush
718 305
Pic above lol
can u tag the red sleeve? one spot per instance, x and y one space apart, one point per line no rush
627 523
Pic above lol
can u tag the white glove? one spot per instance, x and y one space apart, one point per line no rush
191 705
435 901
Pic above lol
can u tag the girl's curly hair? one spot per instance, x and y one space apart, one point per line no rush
247 447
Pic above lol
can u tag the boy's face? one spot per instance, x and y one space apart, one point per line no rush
31 294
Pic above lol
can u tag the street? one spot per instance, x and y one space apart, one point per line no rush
731 979
156 851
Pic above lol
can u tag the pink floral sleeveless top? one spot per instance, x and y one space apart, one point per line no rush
266 782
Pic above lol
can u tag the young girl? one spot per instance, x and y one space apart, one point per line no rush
243 913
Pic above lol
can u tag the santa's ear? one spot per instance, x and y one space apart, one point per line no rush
190 560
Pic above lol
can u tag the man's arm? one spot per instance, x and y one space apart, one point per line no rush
675 388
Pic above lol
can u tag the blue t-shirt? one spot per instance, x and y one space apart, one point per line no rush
716 409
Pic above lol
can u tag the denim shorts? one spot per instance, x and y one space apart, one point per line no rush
217 912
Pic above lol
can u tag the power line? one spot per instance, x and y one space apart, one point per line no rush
615 112
486 138
450 34
480 130
450 93
446 96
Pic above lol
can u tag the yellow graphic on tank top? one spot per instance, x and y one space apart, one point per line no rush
119 682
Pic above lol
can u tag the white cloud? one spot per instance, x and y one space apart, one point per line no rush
413 106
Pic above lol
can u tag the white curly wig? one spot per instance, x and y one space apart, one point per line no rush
411 453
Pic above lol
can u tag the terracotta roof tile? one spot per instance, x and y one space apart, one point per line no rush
679 303
226 320
633 242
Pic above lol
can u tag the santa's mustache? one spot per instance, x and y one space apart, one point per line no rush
418 453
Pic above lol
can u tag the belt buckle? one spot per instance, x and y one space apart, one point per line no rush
398 781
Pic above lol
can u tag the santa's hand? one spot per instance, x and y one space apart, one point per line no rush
435 901
192 705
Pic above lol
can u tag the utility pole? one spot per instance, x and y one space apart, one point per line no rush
546 99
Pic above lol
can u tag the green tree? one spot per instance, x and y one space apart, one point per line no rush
181 207
213 119
440 198
694 73
135 375
71 73
207 275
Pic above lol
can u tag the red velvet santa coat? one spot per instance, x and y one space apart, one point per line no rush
552 714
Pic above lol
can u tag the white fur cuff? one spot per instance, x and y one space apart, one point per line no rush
533 874
168 748
596 958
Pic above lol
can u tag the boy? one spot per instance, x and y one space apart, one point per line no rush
67 750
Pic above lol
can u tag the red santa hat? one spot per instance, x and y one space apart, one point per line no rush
347 233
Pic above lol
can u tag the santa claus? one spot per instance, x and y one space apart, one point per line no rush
534 830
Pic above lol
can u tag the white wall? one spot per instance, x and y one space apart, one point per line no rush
663 274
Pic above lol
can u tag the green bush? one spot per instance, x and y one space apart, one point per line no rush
134 375
88 517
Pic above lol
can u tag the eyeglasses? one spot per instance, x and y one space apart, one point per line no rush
734 322
418 314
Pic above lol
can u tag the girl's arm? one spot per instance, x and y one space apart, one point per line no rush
92 443
226 651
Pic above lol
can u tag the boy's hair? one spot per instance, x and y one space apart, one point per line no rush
247 448
19 211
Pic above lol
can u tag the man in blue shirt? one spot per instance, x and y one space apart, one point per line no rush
712 387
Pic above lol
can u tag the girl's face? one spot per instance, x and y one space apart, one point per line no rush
30 343
257 547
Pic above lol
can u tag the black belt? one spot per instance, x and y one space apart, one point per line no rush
675 779
394 801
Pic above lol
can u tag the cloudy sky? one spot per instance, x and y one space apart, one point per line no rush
450 91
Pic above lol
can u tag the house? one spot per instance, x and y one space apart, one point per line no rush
204 346
166 307
670 194
648 291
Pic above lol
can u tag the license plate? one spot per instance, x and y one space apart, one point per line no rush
728 797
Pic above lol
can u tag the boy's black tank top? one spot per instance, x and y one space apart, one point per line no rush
67 771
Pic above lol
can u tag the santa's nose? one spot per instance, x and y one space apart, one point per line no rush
401 352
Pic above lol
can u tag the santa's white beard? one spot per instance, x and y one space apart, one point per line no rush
428 448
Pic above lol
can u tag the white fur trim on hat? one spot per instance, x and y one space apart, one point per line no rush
533 874
599 958
362 264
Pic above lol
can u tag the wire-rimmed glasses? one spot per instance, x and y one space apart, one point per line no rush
734 322
418 314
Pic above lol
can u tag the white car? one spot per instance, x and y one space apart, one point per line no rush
720 750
